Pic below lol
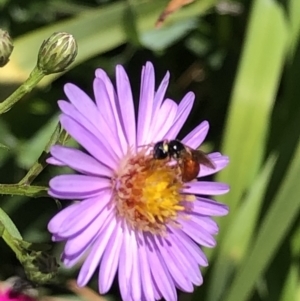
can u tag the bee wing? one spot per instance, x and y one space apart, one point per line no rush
202 158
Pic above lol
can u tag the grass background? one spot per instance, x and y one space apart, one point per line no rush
243 63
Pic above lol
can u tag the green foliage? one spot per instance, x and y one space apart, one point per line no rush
244 68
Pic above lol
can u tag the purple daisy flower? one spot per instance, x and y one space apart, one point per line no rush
135 217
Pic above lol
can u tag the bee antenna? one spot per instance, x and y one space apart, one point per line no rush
143 145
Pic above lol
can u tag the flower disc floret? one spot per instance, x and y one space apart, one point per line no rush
148 192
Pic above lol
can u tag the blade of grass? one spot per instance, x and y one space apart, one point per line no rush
252 98
238 237
285 208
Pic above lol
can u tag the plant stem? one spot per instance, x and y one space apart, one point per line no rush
40 164
24 190
35 76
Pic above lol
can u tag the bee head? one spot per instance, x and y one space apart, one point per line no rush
161 150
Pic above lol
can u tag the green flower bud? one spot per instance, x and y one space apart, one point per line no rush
57 53
6 47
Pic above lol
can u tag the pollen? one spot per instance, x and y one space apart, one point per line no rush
147 192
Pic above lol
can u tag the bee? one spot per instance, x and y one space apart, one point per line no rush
189 160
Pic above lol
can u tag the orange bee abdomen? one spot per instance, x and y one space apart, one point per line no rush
189 170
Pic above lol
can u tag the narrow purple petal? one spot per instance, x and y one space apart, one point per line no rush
80 161
145 103
198 234
78 183
187 264
206 188
105 96
110 260
90 142
183 111
72 195
145 272
197 135
125 263
171 263
82 102
56 222
135 279
163 121
209 207
71 261
93 259
82 240
219 162
160 272
85 214
54 161
159 95
101 131
125 105
184 242
186 261
206 223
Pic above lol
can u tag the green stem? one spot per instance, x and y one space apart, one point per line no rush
41 163
35 76
24 190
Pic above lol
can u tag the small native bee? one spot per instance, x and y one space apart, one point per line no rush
189 159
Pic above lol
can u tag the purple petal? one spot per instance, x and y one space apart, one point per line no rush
206 223
179 277
82 241
206 188
135 278
159 95
89 141
82 102
184 242
78 184
197 135
187 264
125 105
145 103
56 222
80 161
105 96
71 261
160 273
183 112
54 161
163 121
198 234
85 214
219 162
93 259
125 263
110 260
209 207
145 272
102 131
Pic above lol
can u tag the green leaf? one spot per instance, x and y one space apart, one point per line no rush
96 32
166 36
8 225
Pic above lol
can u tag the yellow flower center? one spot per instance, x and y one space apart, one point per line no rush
147 192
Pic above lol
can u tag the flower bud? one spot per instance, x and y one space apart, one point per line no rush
57 53
6 47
